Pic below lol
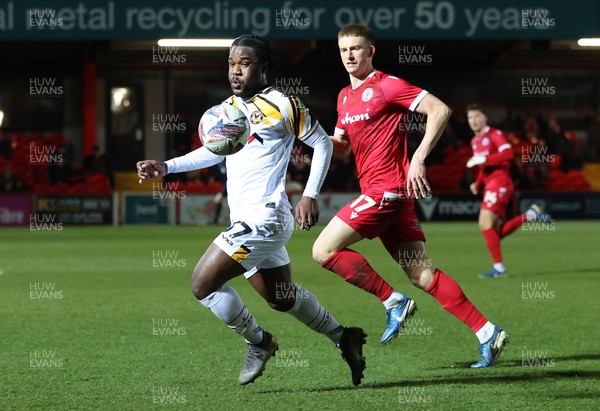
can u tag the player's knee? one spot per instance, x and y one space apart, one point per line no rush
282 305
319 254
416 281
200 289
484 224
421 277
283 299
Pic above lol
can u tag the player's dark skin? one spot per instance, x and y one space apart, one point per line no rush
246 76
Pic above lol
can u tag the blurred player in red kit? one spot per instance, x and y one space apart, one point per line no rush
494 154
371 111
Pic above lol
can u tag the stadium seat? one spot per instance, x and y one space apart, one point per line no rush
194 187
572 137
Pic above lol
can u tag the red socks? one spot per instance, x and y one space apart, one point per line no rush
353 268
492 237
451 296
493 244
511 225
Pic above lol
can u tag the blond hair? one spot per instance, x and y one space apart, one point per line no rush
357 30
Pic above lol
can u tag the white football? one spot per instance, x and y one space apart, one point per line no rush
224 129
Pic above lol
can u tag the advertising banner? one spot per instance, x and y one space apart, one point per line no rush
15 209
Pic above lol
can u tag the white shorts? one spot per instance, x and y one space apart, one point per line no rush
258 241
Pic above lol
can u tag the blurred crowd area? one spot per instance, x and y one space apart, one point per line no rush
548 157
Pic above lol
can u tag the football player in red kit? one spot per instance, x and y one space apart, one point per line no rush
371 111
494 154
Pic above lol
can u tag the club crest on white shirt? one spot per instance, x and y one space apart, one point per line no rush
256 117
367 94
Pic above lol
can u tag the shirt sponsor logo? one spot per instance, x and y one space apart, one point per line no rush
353 119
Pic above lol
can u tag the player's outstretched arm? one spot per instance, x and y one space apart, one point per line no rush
195 160
148 169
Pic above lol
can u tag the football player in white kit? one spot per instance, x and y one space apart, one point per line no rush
261 215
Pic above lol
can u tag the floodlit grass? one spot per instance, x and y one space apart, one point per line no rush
88 323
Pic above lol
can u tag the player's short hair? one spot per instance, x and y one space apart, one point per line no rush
357 30
259 45
476 107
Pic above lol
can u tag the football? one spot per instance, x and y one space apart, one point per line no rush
224 129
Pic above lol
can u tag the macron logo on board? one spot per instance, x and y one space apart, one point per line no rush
353 119
428 207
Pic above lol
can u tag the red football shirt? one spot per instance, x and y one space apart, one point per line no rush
370 116
491 141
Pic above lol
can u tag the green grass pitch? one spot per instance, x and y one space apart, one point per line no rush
88 323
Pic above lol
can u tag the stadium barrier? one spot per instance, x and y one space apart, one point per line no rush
75 210
200 209
147 208
567 206
19 209
23 209
15 209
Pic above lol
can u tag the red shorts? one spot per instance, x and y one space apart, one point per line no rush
383 215
497 195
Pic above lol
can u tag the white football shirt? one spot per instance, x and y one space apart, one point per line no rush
256 174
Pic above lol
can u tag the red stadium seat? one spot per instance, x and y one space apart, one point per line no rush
572 137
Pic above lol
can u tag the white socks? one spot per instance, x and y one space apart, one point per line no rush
485 332
499 267
227 305
530 215
393 300
309 311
